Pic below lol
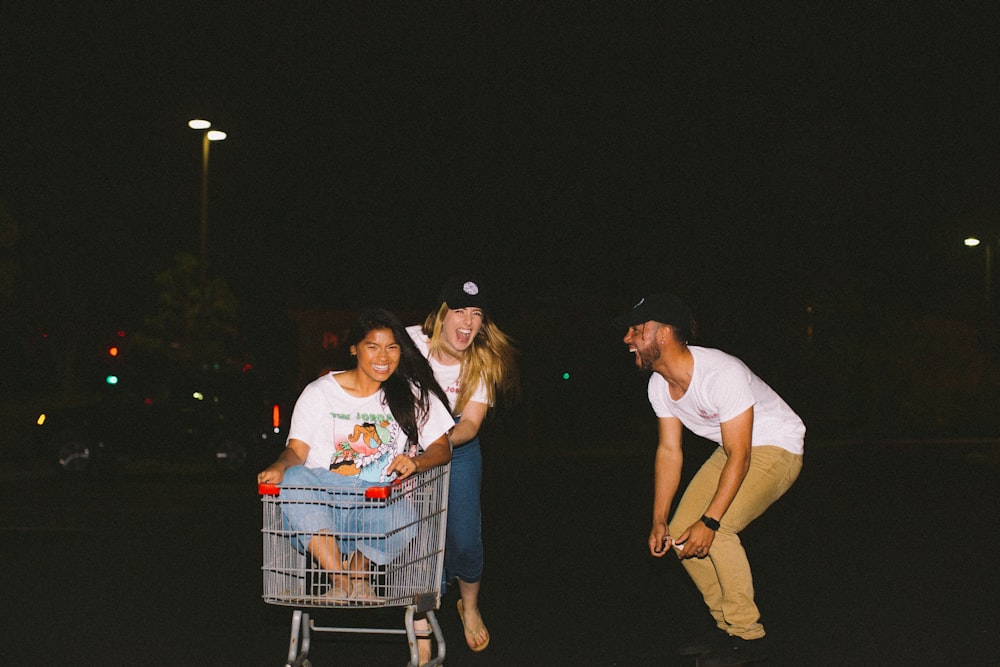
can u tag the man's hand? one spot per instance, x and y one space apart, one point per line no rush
697 540
659 540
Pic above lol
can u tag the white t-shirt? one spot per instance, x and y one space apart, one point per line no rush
721 388
447 376
357 436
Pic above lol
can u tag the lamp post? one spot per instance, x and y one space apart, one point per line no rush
208 136
973 242
991 321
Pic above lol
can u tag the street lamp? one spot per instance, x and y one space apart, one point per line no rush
208 136
991 321
973 242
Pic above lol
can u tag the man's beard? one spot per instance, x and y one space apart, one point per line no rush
648 357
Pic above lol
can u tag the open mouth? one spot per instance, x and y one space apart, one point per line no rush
463 336
381 368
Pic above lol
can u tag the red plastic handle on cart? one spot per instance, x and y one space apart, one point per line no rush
382 492
378 492
371 493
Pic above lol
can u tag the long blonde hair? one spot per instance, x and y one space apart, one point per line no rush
490 358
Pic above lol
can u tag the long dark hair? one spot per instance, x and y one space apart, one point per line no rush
407 391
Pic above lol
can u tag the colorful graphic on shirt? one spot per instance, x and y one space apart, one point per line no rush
368 449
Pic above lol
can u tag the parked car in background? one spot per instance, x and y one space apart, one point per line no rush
231 419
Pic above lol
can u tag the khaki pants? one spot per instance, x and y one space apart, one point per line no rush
724 577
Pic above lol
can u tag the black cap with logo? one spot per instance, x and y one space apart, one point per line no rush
664 308
462 293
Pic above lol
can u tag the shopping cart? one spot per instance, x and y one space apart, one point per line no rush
400 528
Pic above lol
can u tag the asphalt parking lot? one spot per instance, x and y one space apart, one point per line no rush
882 554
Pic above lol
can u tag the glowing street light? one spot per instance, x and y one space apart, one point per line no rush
208 136
973 242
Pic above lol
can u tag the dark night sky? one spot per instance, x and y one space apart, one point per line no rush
734 152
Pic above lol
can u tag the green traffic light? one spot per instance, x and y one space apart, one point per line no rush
111 379
565 376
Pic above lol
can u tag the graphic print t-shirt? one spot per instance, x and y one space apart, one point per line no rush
356 437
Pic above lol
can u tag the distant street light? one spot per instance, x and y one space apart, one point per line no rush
208 136
973 242
991 320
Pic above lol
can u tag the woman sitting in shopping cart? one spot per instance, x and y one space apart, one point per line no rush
383 419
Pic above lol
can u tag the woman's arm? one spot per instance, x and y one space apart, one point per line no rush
468 425
294 454
437 453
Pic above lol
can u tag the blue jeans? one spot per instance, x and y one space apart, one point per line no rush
379 532
463 553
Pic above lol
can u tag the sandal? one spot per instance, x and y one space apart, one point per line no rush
338 593
470 633
361 591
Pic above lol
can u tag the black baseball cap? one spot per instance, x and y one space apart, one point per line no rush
462 293
664 308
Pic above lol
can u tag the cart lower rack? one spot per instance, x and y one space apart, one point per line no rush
357 548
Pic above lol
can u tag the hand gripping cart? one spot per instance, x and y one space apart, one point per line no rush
400 531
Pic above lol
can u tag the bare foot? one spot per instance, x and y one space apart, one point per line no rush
423 643
423 651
